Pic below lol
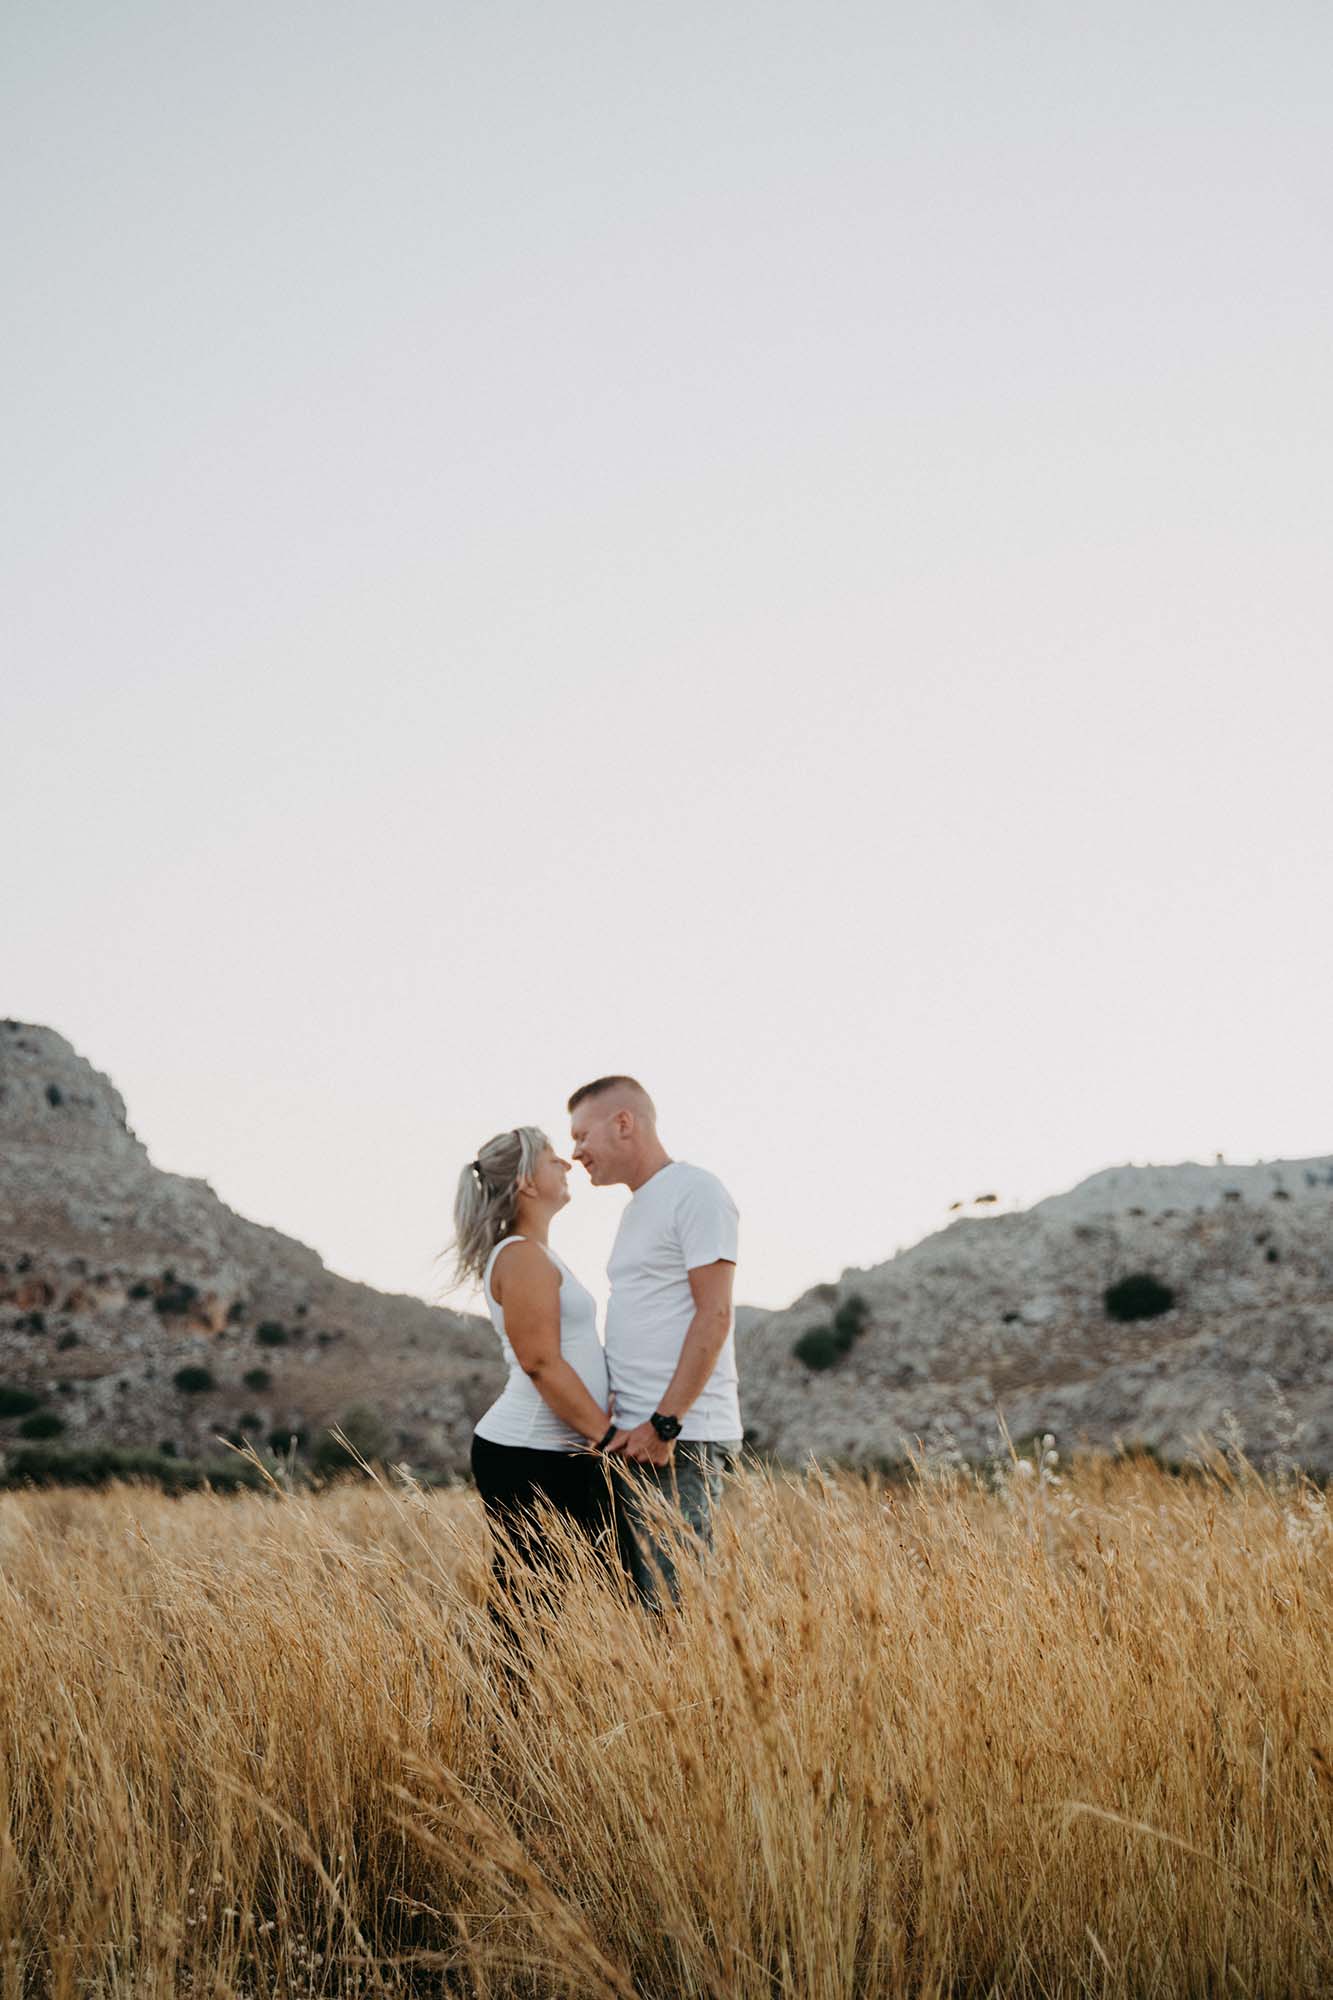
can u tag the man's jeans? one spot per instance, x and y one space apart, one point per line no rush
692 1483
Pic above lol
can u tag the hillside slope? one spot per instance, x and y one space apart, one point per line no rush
1007 1314
115 1276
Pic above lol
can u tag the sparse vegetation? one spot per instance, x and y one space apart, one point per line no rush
42 1424
175 1297
101 1465
193 1379
285 1437
257 1378
367 1433
818 1347
271 1333
821 1347
1140 1296
17 1402
850 1320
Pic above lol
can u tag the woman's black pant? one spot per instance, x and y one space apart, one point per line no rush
514 1481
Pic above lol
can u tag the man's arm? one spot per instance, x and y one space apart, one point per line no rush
711 1286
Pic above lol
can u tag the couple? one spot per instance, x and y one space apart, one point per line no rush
661 1396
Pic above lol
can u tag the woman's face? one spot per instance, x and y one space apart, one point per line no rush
550 1178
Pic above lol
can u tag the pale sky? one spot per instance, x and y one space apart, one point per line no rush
781 548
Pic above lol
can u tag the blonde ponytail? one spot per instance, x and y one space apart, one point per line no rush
486 1204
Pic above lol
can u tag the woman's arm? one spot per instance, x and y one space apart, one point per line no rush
531 1304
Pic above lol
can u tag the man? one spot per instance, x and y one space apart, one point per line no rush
670 1350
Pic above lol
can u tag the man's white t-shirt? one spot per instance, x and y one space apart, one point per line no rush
679 1220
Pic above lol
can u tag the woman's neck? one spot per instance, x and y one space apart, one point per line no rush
533 1222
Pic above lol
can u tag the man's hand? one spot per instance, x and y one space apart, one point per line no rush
643 1446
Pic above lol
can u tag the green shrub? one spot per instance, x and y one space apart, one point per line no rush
97 1465
280 1440
849 1321
193 1380
1140 1296
175 1297
67 1340
43 1424
271 1333
17 1402
820 1347
365 1430
248 1421
257 1378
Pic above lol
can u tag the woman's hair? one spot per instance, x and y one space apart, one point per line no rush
486 1204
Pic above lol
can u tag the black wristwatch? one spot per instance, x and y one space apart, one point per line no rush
666 1427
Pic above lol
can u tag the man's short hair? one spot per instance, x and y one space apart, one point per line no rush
603 1083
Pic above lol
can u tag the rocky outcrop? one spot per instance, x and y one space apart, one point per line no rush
121 1286
116 1280
1007 1315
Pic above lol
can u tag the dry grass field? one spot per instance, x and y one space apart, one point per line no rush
1057 1739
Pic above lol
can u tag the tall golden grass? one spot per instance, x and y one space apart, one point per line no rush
1054 1740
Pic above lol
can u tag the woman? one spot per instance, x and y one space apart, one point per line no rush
533 1444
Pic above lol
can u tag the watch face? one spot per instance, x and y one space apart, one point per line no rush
666 1427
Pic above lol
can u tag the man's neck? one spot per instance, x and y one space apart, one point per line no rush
652 1162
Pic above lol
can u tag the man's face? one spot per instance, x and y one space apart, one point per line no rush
597 1127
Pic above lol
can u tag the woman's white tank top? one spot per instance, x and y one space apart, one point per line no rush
519 1415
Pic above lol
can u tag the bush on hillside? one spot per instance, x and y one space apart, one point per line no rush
98 1465
282 1440
271 1333
175 1297
366 1432
1140 1296
257 1378
819 1347
17 1402
193 1380
849 1321
42 1424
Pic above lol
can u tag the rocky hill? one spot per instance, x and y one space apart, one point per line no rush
1009 1313
136 1309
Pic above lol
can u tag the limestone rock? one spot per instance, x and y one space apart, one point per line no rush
114 1276
1005 1315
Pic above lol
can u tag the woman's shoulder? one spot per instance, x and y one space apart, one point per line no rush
519 1257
